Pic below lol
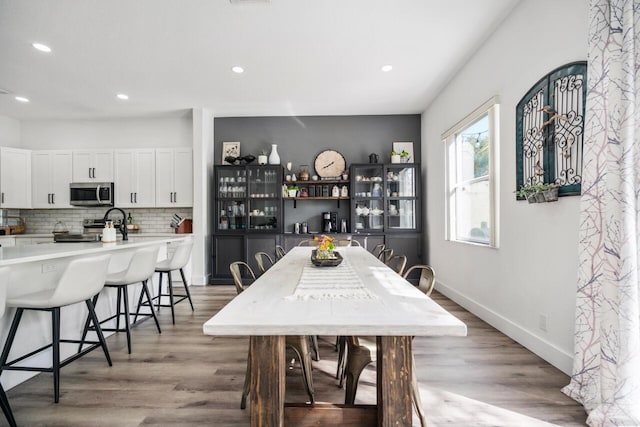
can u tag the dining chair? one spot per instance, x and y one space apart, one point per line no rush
263 258
348 242
280 252
309 242
361 354
236 269
298 343
397 263
377 249
385 255
427 277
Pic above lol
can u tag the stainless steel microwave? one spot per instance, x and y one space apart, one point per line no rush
91 193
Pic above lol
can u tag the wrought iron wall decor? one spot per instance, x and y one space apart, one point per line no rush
550 128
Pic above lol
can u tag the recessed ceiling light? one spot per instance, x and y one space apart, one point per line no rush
22 99
122 96
41 47
386 68
237 69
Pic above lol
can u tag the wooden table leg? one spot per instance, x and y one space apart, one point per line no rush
394 381
267 381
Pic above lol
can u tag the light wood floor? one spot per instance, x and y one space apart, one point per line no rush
185 378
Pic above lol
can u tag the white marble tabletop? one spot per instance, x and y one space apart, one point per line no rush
12 255
396 308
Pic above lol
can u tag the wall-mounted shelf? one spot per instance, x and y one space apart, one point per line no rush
295 199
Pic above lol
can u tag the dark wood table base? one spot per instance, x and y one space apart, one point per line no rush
268 408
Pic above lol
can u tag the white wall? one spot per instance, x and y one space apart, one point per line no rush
9 132
534 270
111 133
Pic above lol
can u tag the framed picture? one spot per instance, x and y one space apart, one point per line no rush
230 149
399 147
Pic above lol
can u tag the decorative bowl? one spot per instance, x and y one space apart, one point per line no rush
326 262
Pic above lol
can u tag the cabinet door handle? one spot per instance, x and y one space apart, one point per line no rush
94 172
53 198
135 197
2 198
175 197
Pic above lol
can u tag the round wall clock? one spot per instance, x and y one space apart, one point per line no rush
329 163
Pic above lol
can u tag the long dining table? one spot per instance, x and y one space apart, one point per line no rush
360 297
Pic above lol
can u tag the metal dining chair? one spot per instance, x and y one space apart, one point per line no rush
377 249
280 252
263 258
427 277
385 255
359 355
298 343
397 263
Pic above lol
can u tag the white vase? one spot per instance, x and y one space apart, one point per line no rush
274 158
262 159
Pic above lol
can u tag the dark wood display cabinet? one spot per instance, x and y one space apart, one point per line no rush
385 205
248 214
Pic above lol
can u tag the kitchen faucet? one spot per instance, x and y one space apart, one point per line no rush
123 224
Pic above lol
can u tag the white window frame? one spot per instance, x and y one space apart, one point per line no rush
492 108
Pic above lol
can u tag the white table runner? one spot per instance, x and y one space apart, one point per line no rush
329 283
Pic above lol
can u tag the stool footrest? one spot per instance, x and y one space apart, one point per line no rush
9 366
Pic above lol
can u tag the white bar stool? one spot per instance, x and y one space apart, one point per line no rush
140 269
4 402
176 262
82 279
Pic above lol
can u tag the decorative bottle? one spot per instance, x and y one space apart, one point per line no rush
274 158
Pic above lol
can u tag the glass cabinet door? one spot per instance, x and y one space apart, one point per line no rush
401 195
231 198
367 202
265 198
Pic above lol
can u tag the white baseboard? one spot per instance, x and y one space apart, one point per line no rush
546 350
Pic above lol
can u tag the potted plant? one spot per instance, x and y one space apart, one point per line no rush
292 190
539 193
262 157
404 156
395 157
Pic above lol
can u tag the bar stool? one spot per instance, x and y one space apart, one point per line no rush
82 279
140 269
176 262
4 402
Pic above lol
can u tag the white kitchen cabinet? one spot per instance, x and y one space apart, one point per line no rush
7 241
52 173
92 165
135 174
15 178
174 177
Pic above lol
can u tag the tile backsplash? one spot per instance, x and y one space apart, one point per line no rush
152 220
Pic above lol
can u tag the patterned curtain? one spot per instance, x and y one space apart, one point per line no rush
606 368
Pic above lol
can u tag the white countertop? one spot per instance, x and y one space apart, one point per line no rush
31 253
268 306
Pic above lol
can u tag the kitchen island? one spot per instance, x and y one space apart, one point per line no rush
38 267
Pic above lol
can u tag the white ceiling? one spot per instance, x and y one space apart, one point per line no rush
301 57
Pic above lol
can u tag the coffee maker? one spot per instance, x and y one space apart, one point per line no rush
329 222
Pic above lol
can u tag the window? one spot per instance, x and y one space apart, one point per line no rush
470 177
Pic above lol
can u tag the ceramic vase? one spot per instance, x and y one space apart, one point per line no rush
274 158
262 159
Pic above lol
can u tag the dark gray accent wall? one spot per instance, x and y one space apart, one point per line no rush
300 139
